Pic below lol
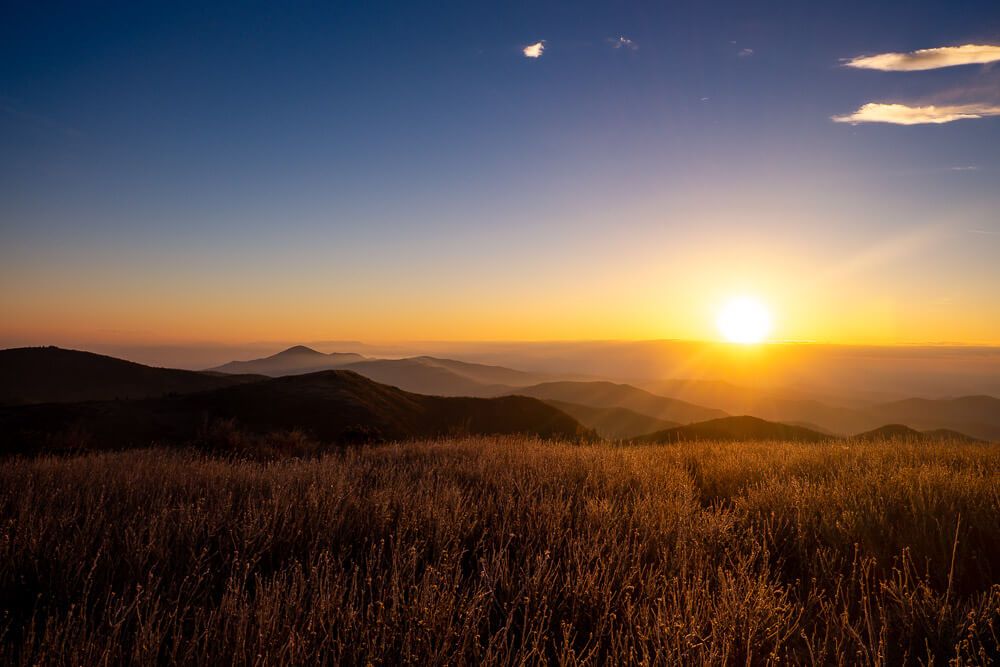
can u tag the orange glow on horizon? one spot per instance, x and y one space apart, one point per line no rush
647 295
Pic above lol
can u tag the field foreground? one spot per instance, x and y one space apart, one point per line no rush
503 551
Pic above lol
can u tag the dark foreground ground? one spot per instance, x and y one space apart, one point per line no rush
506 551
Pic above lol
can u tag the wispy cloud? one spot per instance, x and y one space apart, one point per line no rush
622 42
901 114
924 59
534 50
745 53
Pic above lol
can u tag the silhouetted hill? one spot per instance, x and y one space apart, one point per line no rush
611 395
736 428
979 416
331 406
948 434
55 375
484 373
295 360
423 376
902 432
786 405
613 423
976 415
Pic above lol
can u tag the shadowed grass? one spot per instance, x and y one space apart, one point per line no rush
506 550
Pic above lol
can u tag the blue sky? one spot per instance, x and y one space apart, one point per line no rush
375 148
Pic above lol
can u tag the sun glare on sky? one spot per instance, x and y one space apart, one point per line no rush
744 320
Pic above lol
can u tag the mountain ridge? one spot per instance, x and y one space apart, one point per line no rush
423 374
613 423
904 432
735 428
604 394
56 375
978 414
297 359
331 406
51 374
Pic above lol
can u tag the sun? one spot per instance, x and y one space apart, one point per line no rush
744 320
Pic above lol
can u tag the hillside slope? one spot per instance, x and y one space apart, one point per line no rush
422 376
612 395
978 416
330 406
901 432
613 423
484 373
736 428
54 375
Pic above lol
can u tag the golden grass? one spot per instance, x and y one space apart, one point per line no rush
506 550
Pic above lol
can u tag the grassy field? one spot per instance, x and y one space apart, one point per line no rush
506 551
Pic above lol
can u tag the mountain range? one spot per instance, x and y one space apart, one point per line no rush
613 423
842 415
680 401
422 396
423 374
296 360
611 395
329 406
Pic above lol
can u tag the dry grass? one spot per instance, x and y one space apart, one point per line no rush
505 551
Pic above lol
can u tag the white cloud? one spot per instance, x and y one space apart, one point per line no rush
622 42
924 59
745 53
534 50
901 114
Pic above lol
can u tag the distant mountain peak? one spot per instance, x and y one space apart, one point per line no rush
300 349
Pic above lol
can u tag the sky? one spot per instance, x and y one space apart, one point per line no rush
175 173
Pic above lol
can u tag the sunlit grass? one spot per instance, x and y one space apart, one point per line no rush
505 550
